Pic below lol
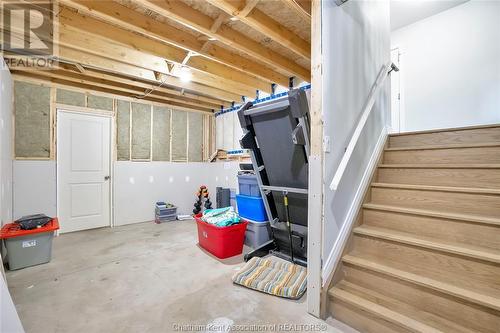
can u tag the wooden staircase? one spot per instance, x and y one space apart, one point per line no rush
424 254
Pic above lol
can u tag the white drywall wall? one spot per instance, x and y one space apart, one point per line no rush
9 319
356 44
139 185
450 68
5 144
35 189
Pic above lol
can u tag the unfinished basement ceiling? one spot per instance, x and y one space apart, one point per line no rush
136 49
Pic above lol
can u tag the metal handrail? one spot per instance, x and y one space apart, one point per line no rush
367 109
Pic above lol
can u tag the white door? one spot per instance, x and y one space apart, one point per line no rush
395 94
83 171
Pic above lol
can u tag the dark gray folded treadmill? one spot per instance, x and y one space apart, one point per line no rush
277 134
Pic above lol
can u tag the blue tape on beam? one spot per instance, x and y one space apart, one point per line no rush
260 100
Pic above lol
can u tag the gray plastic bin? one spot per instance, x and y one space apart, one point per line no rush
257 233
29 250
248 185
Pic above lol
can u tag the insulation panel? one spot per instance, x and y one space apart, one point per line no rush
179 135
123 130
141 131
161 133
195 131
70 97
32 120
100 102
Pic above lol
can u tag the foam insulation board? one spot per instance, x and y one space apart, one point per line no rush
179 135
195 149
32 120
123 130
141 131
161 133
100 102
70 97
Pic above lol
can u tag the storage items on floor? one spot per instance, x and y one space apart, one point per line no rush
249 200
221 217
165 212
28 247
222 241
248 185
273 276
202 200
251 208
257 233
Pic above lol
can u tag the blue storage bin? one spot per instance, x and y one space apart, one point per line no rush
248 185
251 208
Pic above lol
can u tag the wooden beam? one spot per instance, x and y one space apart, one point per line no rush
94 44
80 68
214 103
259 21
301 7
249 6
70 19
69 83
117 67
315 217
190 17
127 18
129 89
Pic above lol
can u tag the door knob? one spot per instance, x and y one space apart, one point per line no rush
107 177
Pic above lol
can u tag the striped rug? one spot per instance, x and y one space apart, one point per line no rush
273 276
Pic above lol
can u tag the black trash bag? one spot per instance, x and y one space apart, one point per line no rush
29 222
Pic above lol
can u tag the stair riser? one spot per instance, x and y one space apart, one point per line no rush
463 313
479 135
467 273
444 156
441 229
483 178
361 320
462 203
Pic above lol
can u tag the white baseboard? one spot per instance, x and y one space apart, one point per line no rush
334 257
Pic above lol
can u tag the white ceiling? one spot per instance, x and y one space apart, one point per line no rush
405 12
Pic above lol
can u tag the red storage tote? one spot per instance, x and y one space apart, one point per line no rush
222 242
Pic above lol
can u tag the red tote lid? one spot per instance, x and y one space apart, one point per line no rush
12 230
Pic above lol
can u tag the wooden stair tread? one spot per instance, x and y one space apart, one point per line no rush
449 146
443 287
381 311
441 166
478 190
432 213
429 243
425 320
451 129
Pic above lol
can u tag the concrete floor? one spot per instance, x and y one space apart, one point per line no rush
143 278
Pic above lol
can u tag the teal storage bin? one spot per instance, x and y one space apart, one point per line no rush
251 208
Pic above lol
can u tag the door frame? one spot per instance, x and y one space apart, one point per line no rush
112 127
400 65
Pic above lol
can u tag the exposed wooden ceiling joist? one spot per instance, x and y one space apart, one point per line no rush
201 65
246 12
82 84
301 7
190 17
134 91
93 44
117 67
127 18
